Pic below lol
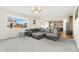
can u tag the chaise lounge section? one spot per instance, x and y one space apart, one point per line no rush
52 34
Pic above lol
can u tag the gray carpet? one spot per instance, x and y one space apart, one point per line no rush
29 44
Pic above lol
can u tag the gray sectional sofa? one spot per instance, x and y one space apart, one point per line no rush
39 33
53 34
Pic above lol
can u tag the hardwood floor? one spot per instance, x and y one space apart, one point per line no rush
64 36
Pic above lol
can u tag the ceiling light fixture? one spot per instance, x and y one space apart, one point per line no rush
36 10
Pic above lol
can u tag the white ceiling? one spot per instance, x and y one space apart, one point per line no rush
47 13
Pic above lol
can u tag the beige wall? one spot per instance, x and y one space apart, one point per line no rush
6 32
76 29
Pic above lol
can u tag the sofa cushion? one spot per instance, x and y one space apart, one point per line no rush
51 35
38 35
55 31
47 30
42 30
52 30
34 30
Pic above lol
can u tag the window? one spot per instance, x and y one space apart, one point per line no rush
16 22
